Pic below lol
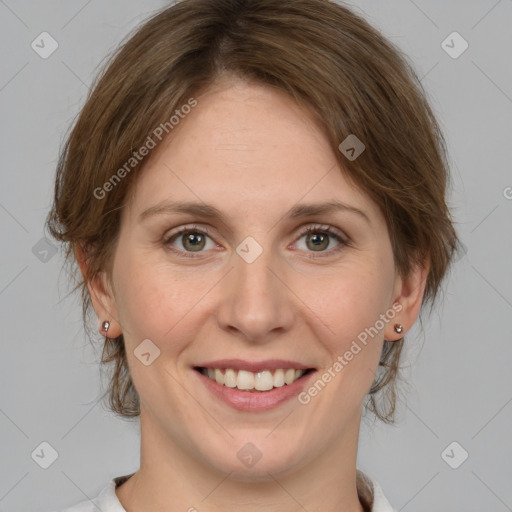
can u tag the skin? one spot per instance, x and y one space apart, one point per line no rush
251 152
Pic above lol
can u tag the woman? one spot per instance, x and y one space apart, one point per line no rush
255 194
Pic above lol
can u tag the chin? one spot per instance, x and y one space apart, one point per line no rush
247 461
262 471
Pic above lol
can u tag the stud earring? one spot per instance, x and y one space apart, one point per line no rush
105 325
399 328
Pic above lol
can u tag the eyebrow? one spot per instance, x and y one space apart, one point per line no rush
210 212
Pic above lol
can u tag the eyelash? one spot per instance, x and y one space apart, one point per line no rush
325 229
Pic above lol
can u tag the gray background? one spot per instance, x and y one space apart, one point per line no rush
458 369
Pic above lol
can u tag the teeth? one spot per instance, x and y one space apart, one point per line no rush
278 378
245 380
230 378
264 381
289 376
218 376
259 381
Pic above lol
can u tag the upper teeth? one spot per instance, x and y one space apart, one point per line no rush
261 381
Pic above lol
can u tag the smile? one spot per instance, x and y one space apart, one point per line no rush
254 386
244 380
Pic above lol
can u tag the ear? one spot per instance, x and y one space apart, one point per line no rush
408 292
102 298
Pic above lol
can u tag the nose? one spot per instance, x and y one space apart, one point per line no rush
256 304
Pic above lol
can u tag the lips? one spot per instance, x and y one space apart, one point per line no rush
254 386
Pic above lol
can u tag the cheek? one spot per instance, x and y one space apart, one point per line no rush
351 305
350 302
150 299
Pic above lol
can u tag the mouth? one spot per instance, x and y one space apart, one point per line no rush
254 381
252 386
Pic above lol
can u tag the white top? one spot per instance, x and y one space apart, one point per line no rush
107 500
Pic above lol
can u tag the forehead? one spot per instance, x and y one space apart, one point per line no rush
249 147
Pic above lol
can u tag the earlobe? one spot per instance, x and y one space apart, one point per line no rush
409 294
102 298
399 328
104 327
103 302
109 328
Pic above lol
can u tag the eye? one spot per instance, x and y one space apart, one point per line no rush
191 239
318 238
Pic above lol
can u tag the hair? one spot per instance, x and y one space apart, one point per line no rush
325 57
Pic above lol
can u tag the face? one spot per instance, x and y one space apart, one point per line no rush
239 284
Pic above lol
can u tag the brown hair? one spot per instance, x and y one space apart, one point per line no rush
332 62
